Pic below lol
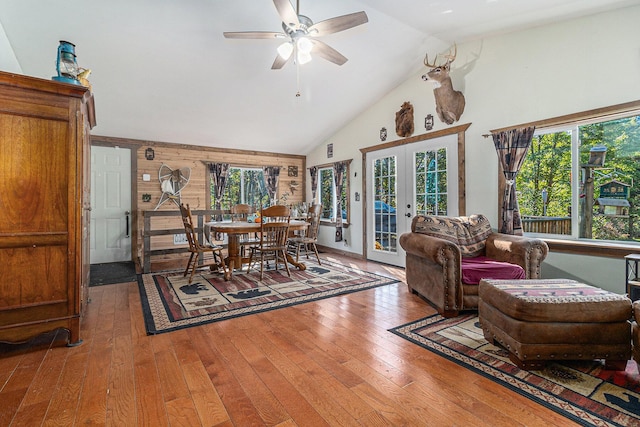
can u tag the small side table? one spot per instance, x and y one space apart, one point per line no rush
632 276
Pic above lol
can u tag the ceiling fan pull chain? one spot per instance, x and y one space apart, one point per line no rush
298 79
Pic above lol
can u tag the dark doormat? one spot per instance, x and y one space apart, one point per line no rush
112 272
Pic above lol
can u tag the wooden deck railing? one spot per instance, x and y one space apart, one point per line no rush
546 224
149 233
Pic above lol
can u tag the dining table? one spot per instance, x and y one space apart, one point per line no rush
235 229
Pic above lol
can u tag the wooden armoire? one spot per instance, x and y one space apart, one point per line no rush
44 206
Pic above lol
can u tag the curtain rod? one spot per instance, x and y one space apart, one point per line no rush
330 164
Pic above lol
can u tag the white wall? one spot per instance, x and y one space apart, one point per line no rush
508 80
8 60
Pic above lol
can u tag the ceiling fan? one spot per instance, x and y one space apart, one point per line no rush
300 35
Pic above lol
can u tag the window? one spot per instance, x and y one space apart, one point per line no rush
563 189
327 192
244 185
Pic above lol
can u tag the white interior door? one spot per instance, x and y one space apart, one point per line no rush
110 204
418 178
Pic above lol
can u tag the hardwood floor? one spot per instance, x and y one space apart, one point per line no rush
325 363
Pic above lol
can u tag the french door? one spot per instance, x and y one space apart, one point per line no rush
403 181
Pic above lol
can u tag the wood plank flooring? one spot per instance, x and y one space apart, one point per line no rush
325 363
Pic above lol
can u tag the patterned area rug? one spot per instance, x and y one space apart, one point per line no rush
582 390
169 302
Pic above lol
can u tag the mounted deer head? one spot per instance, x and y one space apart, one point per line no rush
449 102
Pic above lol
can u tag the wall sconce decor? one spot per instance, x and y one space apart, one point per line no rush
383 134
428 122
329 151
149 154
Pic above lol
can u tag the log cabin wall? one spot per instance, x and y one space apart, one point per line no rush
196 193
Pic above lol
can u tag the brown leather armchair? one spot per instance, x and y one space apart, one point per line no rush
447 257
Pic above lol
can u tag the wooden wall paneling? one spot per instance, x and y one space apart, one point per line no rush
196 193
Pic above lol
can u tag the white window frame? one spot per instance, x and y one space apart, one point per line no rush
334 196
576 171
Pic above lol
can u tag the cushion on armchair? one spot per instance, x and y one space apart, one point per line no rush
468 232
478 268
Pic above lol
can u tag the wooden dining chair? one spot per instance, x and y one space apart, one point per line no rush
308 239
274 232
198 249
240 213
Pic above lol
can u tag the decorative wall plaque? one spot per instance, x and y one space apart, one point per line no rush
329 151
292 171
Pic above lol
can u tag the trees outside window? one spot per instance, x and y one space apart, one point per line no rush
560 193
431 182
244 185
327 192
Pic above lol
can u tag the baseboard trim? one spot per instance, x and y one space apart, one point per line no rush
327 249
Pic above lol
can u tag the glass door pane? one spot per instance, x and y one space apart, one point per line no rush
384 204
431 193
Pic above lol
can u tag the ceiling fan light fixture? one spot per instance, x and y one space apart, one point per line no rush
301 33
285 50
303 57
304 45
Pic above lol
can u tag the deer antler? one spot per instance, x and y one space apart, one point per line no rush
426 61
450 58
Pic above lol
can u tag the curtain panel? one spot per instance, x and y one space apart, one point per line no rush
511 146
271 178
313 171
339 169
219 173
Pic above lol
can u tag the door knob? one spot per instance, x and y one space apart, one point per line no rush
408 214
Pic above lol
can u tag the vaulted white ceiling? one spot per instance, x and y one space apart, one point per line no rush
162 70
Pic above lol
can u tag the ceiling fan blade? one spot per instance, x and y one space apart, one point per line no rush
254 35
339 23
280 62
325 51
287 13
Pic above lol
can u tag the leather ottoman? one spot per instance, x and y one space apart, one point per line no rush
555 319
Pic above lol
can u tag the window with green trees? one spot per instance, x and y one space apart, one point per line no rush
561 191
327 192
244 185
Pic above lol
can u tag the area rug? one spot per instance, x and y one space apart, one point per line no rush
582 390
169 302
